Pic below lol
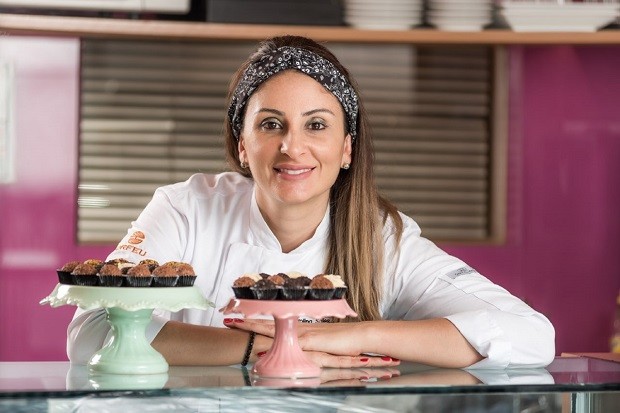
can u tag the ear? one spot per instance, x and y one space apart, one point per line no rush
241 149
346 153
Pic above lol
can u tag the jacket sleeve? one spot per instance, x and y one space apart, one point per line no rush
428 283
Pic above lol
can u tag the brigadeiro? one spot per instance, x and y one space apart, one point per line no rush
265 289
95 263
277 279
340 287
186 274
241 286
111 276
123 264
165 276
299 276
294 289
151 263
321 288
64 273
139 276
85 275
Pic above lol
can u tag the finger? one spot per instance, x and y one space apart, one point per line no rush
380 373
343 383
258 326
331 374
383 361
347 362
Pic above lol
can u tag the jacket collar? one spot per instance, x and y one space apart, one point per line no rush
262 236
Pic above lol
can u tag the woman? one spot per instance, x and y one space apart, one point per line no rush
302 198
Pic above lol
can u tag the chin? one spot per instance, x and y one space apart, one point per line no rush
298 198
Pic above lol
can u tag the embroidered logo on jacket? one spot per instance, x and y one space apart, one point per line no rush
136 238
461 271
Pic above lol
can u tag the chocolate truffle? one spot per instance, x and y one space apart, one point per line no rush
95 263
265 289
70 266
151 263
110 269
277 279
164 271
85 275
140 270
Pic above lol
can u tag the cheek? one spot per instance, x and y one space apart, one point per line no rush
332 157
259 153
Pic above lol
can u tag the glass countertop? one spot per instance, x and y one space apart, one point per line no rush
569 384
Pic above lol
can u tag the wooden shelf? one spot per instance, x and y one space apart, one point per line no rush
198 31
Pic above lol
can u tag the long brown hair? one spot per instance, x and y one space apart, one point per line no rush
357 211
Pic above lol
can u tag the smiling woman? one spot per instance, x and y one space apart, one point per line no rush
302 197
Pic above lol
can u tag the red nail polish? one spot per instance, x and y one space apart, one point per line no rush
238 320
364 378
364 359
228 320
386 377
386 358
261 354
393 359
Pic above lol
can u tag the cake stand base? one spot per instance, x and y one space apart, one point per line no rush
128 313
286 359
128 352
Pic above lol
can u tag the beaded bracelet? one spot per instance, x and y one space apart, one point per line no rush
248 350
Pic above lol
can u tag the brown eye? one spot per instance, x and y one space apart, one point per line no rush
316 125
270 124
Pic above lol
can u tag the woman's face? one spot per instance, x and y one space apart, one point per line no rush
294 140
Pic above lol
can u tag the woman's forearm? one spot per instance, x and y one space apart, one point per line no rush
435 342
188 344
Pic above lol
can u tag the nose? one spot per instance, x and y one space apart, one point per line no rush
293 143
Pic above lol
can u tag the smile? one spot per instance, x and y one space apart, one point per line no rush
293 171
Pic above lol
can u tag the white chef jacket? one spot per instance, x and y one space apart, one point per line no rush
213 223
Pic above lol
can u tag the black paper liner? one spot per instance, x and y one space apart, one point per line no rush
243 293
111 280
65 277
265 293
186 280
321 293
165 281
139 281
290 294
339 293
85 280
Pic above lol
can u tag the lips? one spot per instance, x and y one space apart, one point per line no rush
293 171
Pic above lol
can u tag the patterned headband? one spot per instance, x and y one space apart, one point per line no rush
313 65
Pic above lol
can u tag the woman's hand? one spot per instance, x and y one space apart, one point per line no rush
337 345
356 377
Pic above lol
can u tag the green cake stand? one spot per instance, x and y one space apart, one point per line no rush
128 311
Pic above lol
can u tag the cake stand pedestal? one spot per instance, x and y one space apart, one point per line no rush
286 359
128 311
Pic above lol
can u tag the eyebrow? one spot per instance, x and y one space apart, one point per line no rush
312 112
268 110
309 113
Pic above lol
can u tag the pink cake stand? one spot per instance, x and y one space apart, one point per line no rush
286 359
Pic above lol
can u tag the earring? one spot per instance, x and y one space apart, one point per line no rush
346 166
243 164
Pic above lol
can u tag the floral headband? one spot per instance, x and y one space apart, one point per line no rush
313 65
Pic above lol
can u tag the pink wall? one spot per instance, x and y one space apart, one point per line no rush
563 248
36 211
